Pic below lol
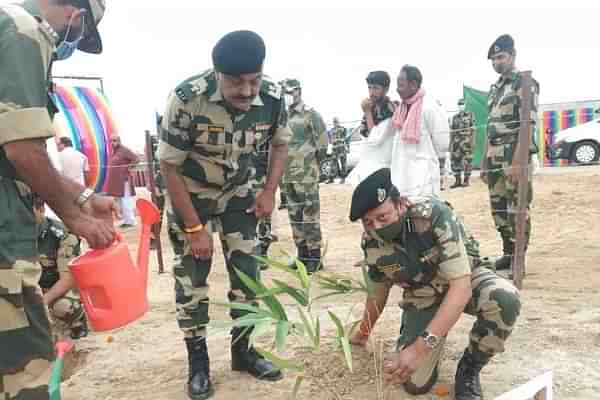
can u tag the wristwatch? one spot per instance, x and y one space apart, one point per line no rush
84 196
431 341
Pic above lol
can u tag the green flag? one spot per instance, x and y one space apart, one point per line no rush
476 102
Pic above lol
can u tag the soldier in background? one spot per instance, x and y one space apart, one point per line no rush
462 139
378 106
57 247
500 167
340 150
213 124
307 148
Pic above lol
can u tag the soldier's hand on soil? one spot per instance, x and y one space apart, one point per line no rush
358 339
400 366
264 204
201 244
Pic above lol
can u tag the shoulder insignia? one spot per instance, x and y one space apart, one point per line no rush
271 88
57 231
194 87
422 208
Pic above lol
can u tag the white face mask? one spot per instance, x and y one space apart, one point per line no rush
461 108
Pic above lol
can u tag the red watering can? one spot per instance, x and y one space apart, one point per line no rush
112 288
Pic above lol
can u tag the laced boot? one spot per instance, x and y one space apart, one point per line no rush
466 383
199 386
247 359
313 261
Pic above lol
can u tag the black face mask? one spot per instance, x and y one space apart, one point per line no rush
389 232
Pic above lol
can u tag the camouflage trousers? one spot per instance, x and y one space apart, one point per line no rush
304 213
504 194
461 153
496 305
26 346
237 233
176 235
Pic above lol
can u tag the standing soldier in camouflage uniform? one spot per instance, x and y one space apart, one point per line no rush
29 35
308 147
462 138
57 247
340 151
212 127
500 167
424 248
378 106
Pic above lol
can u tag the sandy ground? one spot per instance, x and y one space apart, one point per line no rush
559 328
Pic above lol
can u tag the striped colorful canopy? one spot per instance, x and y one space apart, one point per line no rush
86 118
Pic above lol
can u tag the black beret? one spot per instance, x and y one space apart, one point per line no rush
239 52
379 78
461 102
372 192
503 43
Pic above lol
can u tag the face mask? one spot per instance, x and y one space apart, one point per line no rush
389 232
65 49
461 108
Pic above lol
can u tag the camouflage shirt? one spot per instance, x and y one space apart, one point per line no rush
338 137
213 145
26 45
504 107
463 124
307 146
381 111
433 249
57 247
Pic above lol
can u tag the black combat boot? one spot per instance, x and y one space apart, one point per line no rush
508 249
313 261
262 250
249 360
198 385
466 383
467 181
302 256
457 181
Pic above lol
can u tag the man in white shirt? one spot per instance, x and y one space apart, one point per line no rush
422 138
73 164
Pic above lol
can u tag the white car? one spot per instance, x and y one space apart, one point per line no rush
356 144
579 144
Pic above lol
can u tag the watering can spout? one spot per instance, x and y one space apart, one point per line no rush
149 215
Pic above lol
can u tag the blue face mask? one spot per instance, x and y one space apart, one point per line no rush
65 49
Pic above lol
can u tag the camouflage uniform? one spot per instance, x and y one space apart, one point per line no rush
433 249
27 350
382 110
338 136
300 182
503 126
213 147
57 247
462 137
